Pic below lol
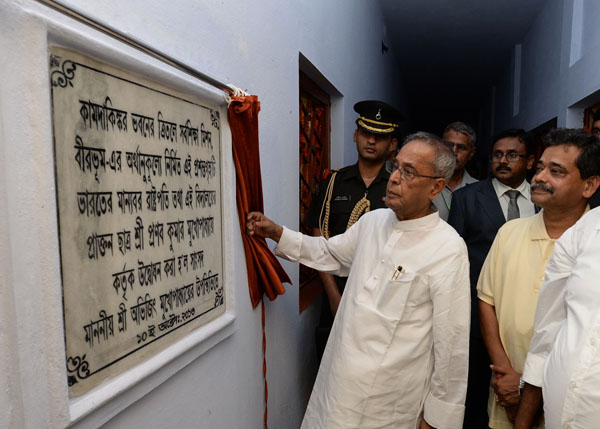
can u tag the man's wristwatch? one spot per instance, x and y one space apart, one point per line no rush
521 385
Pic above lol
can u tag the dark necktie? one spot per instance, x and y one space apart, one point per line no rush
513 208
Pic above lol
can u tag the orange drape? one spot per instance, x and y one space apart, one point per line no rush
265 274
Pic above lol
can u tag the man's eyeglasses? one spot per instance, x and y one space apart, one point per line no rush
510 157
407 175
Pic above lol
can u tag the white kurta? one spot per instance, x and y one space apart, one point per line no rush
564 353
399 344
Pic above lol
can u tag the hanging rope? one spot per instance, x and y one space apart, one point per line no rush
264 347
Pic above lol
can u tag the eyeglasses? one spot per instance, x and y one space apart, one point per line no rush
406 175
510 156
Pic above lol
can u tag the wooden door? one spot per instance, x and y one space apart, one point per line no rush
314 160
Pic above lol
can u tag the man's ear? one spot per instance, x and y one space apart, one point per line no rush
590 185
438 186
530 160
355 134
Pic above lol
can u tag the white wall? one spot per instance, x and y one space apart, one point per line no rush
216 382
560 68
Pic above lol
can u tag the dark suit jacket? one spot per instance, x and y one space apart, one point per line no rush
476 215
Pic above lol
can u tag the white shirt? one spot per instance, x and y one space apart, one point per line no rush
399 343
526 207
564 353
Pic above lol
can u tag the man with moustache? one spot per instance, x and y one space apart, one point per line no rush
462 138
513 272
397 354
347 194
477 212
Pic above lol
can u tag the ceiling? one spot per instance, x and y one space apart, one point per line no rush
450 52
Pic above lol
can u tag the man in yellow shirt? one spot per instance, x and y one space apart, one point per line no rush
513 272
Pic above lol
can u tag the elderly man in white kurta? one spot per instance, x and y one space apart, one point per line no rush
397 356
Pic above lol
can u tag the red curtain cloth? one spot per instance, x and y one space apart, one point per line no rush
265 274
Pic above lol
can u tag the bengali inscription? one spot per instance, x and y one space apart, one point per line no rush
139 208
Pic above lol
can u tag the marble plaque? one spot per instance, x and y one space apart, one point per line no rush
138 175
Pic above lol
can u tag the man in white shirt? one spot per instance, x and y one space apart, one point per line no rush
563 360
397 356
462 138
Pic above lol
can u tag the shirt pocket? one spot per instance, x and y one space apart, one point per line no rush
344 206
391 297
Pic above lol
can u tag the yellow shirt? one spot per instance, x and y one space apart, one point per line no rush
510 280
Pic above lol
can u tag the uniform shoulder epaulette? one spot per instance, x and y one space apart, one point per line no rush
328 172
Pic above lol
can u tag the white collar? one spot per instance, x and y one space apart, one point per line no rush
425 222
501 188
